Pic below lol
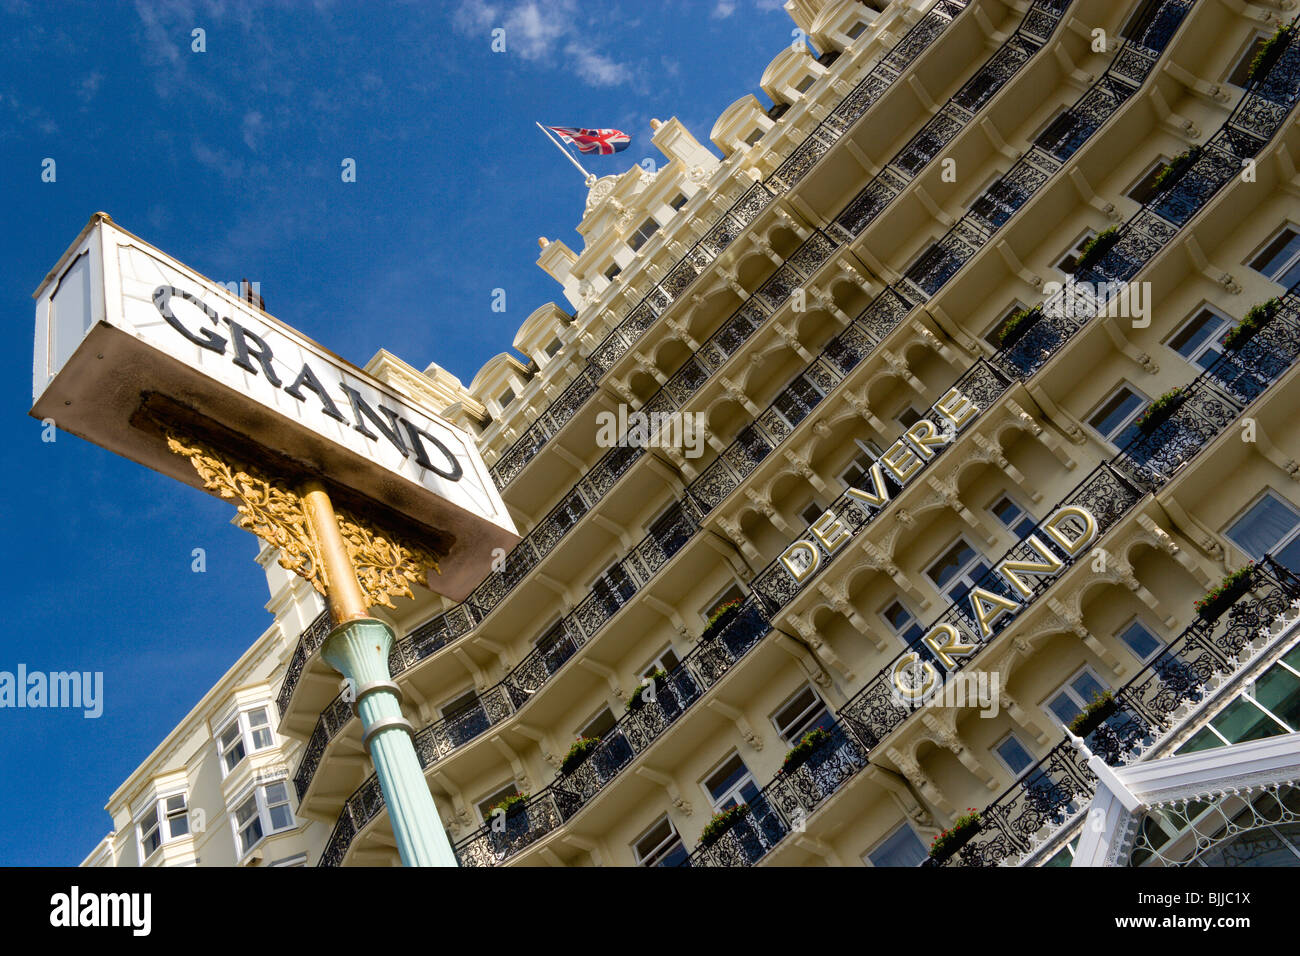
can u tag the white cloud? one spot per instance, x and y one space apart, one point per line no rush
724 9
90 86
253 127
539 31
596 68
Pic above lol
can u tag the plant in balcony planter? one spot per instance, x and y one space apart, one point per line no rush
811 742
1014 329
1175 168
1096 247
660 680
1268 54
1093 714
721 823
1160 410
512 806
950 841
1218 599
720 619
1255 320
578 752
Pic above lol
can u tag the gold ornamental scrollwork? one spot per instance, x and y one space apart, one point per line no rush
267 508
385 566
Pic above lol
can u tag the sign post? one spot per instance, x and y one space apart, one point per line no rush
363 491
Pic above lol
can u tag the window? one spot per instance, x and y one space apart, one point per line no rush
1280 258
801 713
265 811
856 30
613 587
805 84
1074 695
642 234
958 570
733 593
465 717
506 398
1270 525
908 417
731 784
754 137
554 347
1070 261
664 661
1013 754
247 733
612 271
1140 641
660 845
1241 72
861 464
491 800
994 335
678 201
1017 520
902 622
1142 190
599 726
1113 418
1269 707
465 702
901 848
812 511
1200 340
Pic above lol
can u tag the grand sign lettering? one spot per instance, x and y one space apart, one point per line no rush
120 326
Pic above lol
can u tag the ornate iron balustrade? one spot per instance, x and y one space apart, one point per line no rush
1050 795
749 448
311 638
875 711
844 352
1214 398
575 629
630 736
1037 25
723 232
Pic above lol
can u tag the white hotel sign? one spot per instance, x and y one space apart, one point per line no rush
118 321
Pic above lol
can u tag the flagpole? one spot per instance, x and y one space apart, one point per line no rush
588 178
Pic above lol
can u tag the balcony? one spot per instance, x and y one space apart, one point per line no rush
729 227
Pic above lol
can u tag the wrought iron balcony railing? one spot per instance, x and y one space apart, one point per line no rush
732 223
844 352
1050 796
754 445
1109 493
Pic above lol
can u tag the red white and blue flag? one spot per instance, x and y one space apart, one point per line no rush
604 142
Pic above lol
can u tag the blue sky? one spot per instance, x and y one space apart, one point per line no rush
229 160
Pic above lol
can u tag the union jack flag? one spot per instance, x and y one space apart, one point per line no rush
606 142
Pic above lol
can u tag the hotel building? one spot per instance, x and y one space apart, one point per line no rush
966 379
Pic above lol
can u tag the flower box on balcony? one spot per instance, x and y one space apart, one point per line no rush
1095 248
720 619
949 842
1175 169
1219 599
660 680
1014 329
1268 54
721 823
1254 322
1160 410
580 750
513 806
1094 714
812 743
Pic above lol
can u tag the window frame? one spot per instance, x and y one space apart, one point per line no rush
1025 515
1286 540
1291 263
245 736
804 721
1125 423
963 572
1066 687
879 844
1073 252
1127 626
262 806
1213 341
661 850
997 753
734 792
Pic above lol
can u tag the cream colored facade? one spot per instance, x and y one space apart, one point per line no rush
188 803
811 298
